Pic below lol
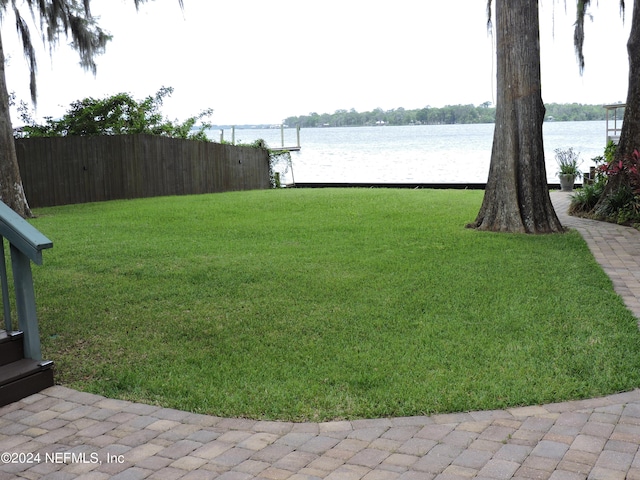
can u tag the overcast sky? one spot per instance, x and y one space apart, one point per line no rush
259 61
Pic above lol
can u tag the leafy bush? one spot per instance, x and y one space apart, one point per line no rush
118 114
585 199
622 204
628 166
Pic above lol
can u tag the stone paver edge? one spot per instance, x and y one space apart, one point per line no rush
64 393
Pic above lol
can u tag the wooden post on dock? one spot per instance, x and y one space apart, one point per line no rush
233 135
282 134
298 135
222 135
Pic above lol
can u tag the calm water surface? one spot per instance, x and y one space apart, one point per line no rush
420 154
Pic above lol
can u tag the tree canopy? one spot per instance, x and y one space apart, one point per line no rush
118 114
578 34
56 19
69 18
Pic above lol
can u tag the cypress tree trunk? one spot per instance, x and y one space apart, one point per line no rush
11 191
517 196
630 133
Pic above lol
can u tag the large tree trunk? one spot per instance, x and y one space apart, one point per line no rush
517 198
630 133
11 191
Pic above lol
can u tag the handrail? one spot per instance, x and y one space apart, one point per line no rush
22 234
25 244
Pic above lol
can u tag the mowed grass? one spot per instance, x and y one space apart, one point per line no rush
325 304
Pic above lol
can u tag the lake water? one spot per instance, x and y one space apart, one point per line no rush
412 154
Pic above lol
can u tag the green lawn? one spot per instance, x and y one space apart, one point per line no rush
325 304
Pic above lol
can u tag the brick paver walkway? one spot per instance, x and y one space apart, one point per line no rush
65 434
616 248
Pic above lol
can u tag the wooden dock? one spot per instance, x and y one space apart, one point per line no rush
297 148
281 148
613 133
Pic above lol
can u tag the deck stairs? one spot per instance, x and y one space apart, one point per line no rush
23 372
20 376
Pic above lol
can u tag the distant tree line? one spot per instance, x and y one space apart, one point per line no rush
447 115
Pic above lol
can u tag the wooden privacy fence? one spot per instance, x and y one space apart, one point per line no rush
65 170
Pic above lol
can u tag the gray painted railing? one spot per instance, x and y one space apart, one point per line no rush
26 245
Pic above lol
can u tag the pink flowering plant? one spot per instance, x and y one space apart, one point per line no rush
629 166
620 205
623 204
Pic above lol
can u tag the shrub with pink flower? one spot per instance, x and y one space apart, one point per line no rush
619 204
629 166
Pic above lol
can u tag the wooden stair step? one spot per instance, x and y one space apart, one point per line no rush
11 347
24 377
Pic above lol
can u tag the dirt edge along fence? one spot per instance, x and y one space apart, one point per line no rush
66 170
